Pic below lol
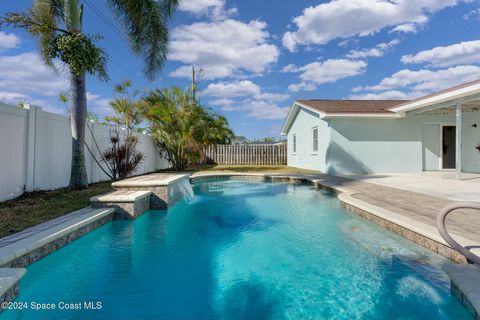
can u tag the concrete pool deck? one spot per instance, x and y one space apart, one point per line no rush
441 184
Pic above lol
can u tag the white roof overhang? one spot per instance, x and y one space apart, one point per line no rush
441 100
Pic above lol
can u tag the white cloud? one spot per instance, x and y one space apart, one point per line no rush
245 89
14 98
348 42
222 48
8 41
272 96
27 74
406 28
472 14
331 70
378 51
260 109
98 105
302 86
216 9
347 18
232 89
290 68
222 102
25 78
252 108
414 84
200 6
456 54
246 98
327 71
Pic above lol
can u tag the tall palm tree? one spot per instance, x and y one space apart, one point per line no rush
57 24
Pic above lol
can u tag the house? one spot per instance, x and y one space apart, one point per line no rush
440 131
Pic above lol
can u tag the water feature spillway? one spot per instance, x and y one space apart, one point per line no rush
186 190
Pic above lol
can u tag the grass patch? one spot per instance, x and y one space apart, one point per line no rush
33 208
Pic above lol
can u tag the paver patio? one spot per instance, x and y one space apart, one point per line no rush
420 207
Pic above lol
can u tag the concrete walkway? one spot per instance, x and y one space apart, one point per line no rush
440 184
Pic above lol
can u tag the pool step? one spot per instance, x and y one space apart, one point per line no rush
166 188
128 204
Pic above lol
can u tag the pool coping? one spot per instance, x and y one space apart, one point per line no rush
415 231
121 196
464 285
27 246
9 288
148 181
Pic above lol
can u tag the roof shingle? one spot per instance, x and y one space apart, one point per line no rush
351 106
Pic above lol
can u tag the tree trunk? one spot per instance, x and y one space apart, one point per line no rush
78 174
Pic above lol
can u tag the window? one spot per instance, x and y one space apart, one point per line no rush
315 140
294 143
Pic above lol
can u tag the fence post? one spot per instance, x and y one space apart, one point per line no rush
30 147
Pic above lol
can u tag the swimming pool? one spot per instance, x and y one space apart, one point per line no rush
242 250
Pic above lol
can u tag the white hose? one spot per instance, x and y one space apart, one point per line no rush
472 258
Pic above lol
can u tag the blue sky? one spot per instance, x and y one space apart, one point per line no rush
259 56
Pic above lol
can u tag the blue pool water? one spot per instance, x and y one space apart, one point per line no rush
243 250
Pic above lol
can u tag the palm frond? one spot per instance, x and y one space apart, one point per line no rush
41 21
146 23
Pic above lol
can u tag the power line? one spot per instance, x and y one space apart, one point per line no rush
122 36
116 30
106 21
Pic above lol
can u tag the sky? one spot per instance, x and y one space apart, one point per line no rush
258 57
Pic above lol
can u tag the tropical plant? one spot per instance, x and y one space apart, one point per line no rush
58 26
121 159
182 128
126 109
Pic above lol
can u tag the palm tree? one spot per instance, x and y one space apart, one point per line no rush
181 127
57 24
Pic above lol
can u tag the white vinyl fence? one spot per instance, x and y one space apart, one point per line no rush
35 151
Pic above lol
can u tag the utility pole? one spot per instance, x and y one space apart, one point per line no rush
194 84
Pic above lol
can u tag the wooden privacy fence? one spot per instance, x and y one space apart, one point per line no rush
245 154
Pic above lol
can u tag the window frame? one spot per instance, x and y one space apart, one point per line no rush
294 143
314 141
